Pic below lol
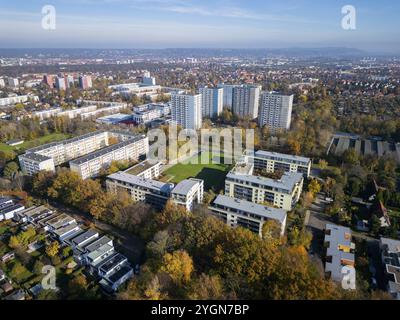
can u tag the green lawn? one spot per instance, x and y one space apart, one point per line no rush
213 174
33 143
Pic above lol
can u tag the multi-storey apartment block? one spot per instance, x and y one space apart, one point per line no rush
227 94
212 101
145 169
272 161
276 111
246 100
91 151
150 191
90 165
186 110
390 252
339 253
188 192
282 193
236 212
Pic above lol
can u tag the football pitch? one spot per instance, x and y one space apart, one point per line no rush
213 174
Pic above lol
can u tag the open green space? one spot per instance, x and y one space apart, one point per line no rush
213 174
33 143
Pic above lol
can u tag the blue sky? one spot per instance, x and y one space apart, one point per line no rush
200 23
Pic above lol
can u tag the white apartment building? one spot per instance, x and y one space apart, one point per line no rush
246 100
2 83
150 191
236 212
283 193
147 116
32 163
272 161
45 114
186 110
227 95
340 251
90 165
212 101
188 192
276 111
17 99
13 82
145 169
93 145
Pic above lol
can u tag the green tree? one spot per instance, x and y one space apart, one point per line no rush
10 169
179 266
52 249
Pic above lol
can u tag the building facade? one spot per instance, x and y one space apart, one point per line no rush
282 193
246 100
186 110
212 101
272 161
188 193
276 111
340 252
236 212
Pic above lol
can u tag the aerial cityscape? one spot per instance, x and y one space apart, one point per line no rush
199 150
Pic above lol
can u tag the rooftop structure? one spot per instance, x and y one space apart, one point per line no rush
236 212
340 252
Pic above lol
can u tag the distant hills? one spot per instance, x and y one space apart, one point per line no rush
184 52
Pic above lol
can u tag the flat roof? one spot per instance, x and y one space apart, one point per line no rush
185 186
84 236
115 116
67 141
251 207
63 230
112 262
34 156
99 251
106 150
277 156
97 244
142 182
141 167
285 183
59 220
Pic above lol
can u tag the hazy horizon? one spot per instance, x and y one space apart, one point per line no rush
223 24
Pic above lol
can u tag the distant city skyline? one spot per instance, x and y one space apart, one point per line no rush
200 24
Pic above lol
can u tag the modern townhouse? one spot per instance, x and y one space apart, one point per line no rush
246 214
339 253
390 252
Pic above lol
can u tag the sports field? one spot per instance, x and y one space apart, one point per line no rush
213 174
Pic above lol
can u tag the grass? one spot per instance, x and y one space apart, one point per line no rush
213 174
33 143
